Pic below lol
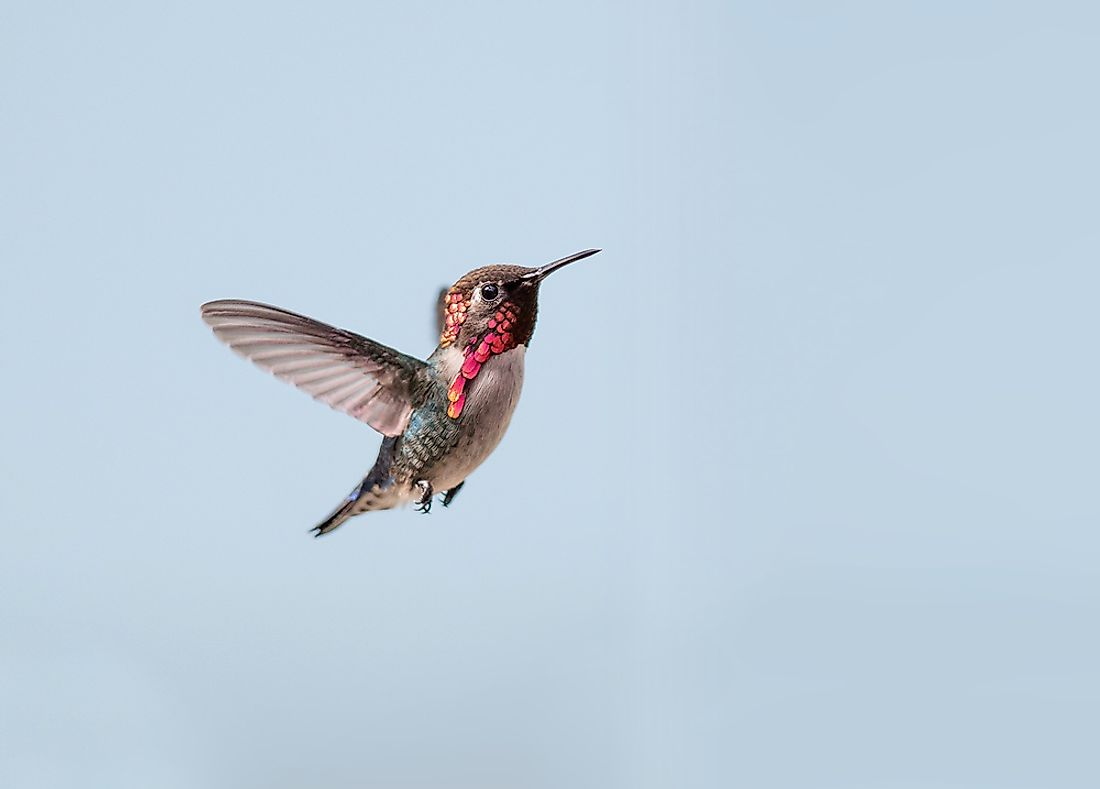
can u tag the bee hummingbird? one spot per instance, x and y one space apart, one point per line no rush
440 419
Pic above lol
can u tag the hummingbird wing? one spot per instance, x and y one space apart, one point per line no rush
441 311
363 378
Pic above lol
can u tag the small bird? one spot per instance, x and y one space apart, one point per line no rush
440 418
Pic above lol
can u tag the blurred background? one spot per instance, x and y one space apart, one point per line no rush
802 488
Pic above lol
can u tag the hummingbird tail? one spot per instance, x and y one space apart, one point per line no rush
375 492
339 515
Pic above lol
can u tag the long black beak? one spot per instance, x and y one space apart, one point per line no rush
541 273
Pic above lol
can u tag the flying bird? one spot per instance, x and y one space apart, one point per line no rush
441 418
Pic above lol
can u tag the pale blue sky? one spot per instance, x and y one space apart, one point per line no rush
801 492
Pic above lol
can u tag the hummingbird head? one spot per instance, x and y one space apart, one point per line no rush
493 308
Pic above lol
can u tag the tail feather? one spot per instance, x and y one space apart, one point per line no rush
375 492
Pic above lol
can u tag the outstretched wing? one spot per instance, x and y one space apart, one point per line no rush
441 312
360 377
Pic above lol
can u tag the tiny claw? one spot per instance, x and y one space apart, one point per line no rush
424 503
449 495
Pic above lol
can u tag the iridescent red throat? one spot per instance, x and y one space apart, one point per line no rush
454 313
498 339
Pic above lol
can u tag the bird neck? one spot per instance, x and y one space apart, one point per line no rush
461 365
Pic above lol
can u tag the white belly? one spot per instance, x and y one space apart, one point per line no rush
490 402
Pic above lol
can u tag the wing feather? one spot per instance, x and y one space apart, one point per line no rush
363 378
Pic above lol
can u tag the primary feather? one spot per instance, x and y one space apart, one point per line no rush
363 378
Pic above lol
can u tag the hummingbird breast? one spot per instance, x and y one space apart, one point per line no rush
446 450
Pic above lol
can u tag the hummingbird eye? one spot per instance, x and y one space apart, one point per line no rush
489 292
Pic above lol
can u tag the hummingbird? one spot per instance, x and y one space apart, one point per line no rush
441 418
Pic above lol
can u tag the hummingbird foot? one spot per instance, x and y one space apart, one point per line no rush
449 495
424 503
